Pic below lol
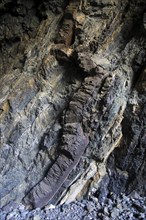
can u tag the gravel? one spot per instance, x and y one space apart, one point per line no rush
114 207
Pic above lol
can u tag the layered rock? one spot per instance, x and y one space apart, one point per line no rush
77 95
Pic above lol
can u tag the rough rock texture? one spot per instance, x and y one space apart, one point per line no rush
114 207
72 101
130 171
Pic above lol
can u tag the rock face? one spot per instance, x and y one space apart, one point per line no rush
72 101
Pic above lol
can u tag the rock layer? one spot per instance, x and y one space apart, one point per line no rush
72 100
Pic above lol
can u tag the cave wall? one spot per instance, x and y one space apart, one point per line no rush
72 101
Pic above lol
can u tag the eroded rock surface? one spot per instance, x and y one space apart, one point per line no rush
72 101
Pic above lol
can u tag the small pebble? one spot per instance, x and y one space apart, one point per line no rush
106 212
90 207
36 217
114 213
106 218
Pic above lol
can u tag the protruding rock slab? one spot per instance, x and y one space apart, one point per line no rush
72 150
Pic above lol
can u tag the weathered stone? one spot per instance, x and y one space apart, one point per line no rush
43 192
72 92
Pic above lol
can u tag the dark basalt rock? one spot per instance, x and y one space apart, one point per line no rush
73 147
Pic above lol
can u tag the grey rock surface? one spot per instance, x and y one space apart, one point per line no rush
132 209
72 104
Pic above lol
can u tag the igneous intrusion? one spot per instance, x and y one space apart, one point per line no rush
72 101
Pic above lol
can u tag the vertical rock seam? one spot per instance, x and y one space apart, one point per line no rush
75 143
